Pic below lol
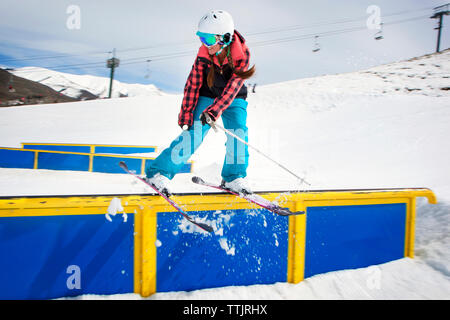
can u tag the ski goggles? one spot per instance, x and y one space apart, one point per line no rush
208 39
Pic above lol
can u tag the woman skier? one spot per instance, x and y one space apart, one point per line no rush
215 88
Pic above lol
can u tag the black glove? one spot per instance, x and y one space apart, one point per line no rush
203 118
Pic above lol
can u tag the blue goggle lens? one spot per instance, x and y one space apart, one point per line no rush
208 40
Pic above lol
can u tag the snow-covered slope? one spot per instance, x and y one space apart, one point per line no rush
428 75
74 85
353 130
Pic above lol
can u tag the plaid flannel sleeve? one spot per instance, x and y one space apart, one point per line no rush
231 90
191 93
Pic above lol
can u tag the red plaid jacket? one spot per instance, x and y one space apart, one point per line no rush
241 58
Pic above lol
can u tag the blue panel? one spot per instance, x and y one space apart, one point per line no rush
63 161
186 168
348 237
36 252
83 149
250 247
124 150
16 159
111 164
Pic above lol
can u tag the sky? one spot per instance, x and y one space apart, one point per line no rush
78 36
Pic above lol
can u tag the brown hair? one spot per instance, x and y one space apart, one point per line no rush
241 74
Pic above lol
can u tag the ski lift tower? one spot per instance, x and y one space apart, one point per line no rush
112 64
439 12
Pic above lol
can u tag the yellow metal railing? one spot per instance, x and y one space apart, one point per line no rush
146 207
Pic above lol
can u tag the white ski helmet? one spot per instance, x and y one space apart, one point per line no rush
217 22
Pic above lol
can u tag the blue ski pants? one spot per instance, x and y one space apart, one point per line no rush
234 118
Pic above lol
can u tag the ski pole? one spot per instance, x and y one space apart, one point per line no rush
214 125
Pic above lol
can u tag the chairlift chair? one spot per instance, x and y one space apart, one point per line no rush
379 34
147 74
316 46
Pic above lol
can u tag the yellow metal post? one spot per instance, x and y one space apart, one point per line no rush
138 251
148 252
143 166
91 158
35 164
410 228
296 251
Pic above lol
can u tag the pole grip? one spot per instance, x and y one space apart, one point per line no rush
210 121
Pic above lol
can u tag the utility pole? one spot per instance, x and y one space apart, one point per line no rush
439 12
112 64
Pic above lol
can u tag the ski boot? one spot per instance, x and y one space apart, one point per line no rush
238 185
160 182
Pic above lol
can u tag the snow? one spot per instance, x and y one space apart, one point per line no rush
115 207
72 85
220 221
226 246
368 129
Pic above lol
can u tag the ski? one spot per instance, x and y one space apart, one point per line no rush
254 198
203 226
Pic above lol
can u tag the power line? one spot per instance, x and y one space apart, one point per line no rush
70 66
248 34
55 57
283 29
327 33
253 44
328 23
